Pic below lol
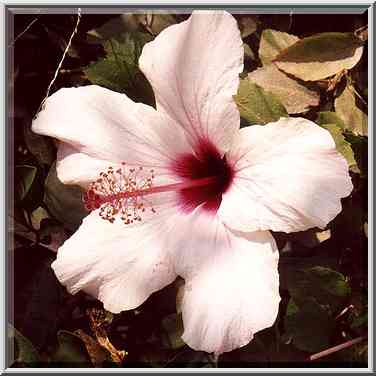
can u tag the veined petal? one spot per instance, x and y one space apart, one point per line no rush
231 284
75 167
194 69
288 177
99 126
119 264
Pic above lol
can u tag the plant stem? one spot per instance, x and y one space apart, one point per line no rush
74 32
23 32
334 349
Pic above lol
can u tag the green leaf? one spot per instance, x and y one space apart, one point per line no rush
29 186
294 96
291 267
347 108
71 350
328 280
24 176
359 145
173 330
353 148
292 308
326 286
40 146
359 78
20 233
348 231
247 24
119 71
38 294
256 351
257 106
37 216
342 145
272 43
308 325
118 27
248 53
52 234
329 117
192 359
64 202
361 320
155 22
154 356
320 56
24 351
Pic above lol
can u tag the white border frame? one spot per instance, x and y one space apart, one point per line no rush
192 3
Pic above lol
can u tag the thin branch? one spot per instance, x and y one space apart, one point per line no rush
355 92
61 61
334 349
344 311
62 71
23 32
290 19
362 33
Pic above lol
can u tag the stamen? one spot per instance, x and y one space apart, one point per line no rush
121 193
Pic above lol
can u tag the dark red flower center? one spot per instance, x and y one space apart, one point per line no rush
205 163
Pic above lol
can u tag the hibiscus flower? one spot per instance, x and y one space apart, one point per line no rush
188 193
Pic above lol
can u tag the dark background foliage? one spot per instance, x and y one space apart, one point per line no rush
323 278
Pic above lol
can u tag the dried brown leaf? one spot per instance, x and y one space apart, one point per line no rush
295 97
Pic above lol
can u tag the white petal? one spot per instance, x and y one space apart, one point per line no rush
119 264
194 69
289 177
232 284
104 127
74 167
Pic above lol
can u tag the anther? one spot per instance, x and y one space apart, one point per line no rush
121 193
117 192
